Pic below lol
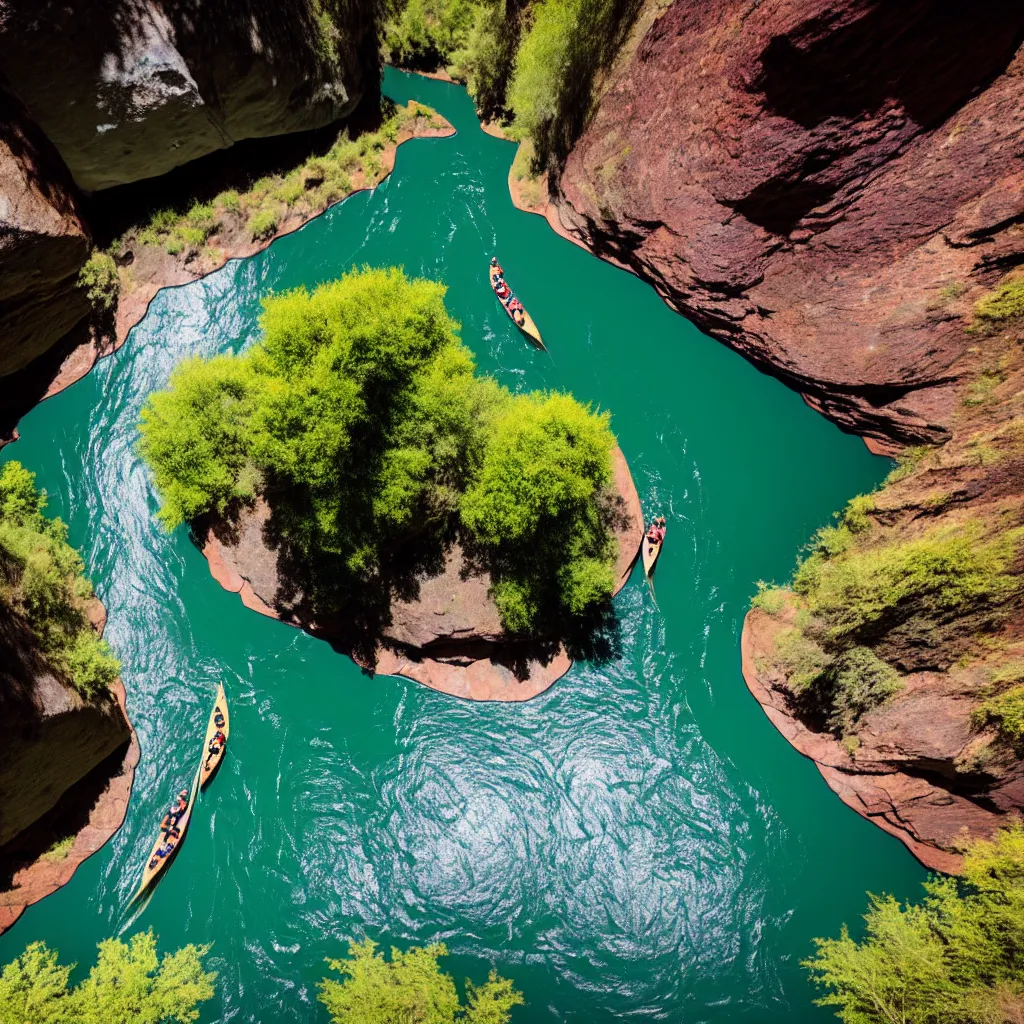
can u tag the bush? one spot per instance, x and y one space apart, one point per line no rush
410 987
1006 710
770 599
486 61
852 684
535 506
947 572
263 223
229 201
129 984
42 580
1003 303
956 958
99 278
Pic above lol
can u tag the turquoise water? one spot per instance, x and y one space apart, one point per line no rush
636 844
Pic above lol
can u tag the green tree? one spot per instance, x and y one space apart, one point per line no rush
42 580
129 984
535 506
410 987
360 419
957 958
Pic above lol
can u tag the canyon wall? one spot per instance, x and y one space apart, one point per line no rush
128 89
98 95
810 180
829 187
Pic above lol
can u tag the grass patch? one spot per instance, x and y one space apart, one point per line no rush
982 389
60 850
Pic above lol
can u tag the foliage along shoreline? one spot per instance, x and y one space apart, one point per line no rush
916 590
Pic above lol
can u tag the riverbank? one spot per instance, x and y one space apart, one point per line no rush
46 855
449 636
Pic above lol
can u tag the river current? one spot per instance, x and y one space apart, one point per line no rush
638 843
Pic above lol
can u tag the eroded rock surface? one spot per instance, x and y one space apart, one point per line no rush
128 89
448 636
66 769
812 182
43 243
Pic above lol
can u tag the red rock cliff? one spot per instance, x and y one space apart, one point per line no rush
807 180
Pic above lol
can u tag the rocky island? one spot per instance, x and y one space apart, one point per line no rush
351 474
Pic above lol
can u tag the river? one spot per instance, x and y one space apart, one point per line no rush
638 843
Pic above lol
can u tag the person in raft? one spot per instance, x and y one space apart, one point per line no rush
218 717
501 289
656 534
216 746
496 270
172 817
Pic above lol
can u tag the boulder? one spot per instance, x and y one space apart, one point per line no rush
43 243
129 89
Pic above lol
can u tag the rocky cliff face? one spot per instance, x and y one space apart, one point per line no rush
128 89
829 187
808 181
43 242
66 768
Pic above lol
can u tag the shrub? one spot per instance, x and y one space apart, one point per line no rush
946 572
410 987
800 657
852 684
770 599
1006 711
427 32
42 580
1003 303
99 278
957 957
229 201
263 223
175 245
908 460
534 505
129 984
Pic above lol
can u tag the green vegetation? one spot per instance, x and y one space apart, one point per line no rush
42 581
98 277
410 987
945 572
360 418
1005 302
305 190
537 66
129 984
955 958
60 849
1006 711
861 592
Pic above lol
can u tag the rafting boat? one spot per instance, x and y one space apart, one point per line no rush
219 720
151 873
528 327
649 552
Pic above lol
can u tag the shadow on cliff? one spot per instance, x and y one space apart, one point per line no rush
927 56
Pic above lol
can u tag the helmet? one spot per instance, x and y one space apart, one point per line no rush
494 261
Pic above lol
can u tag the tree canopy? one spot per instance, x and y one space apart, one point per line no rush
956 958
410 987
129 984
360 418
